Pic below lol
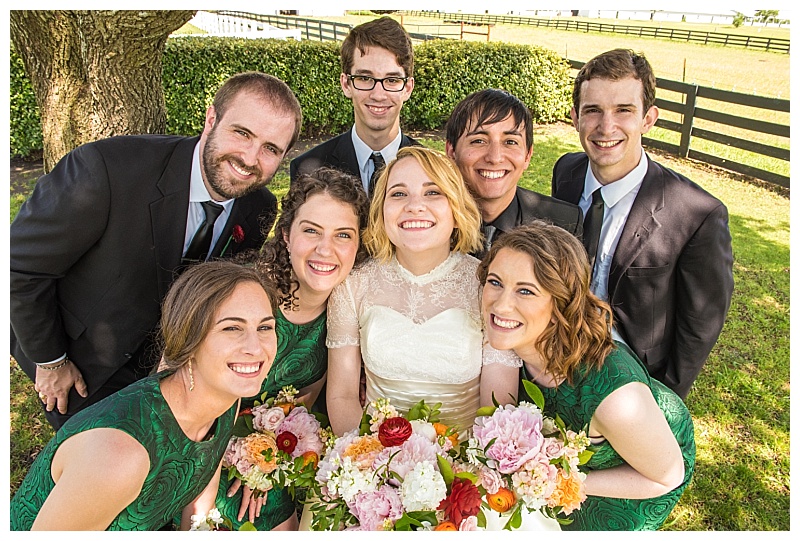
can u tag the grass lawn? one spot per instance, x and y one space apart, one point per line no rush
740 403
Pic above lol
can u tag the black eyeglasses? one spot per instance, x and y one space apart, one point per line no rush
389 84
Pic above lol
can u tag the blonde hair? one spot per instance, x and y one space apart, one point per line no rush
443 172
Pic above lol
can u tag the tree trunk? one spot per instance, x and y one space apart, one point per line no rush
95 74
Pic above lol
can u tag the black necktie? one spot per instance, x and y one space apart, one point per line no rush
379 162
201 242
592 225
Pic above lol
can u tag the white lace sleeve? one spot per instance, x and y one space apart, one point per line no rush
506 358
342 317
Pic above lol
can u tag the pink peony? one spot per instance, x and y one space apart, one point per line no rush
266 418
517 433
306 427
373 508
415 449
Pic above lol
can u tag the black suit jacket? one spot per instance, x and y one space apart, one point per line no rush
671 277
337 152
536 206
94 250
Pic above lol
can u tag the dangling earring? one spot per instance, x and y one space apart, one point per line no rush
191 377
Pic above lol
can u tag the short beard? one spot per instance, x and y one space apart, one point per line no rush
211 167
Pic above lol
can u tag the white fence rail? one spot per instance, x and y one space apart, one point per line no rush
226 25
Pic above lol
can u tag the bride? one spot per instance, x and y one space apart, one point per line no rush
411 315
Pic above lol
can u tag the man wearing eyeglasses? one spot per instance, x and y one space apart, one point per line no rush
377 75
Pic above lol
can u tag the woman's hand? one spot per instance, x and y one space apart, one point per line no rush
250 503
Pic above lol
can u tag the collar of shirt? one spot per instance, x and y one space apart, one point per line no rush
509 218
615 191
197 194
363 153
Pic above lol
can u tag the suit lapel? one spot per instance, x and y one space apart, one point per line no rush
642 222
168 214
239 216
571 188
344 154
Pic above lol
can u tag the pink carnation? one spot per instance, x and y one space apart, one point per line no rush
306 427
517 433
469 524
490 480
373 508
266 418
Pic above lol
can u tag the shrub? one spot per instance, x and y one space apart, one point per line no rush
445 72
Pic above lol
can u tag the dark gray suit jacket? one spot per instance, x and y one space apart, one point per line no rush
95 248
337 152
671 277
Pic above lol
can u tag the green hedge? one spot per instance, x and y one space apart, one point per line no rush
445 72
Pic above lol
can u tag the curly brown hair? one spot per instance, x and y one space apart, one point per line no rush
273 260
581 332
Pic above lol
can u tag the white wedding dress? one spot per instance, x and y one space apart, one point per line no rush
421 338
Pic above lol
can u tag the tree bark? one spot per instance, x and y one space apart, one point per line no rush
95 74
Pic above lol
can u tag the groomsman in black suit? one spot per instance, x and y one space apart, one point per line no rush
659 244
490 137
378 76
96 247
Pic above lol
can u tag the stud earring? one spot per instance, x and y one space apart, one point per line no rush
191 377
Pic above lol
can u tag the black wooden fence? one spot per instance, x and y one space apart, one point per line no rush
565 23
332 31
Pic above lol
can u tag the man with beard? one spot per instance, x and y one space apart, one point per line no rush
104 234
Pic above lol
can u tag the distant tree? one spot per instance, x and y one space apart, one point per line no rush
94 73
738 19
766 15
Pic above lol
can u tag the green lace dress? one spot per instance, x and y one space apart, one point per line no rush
179 468
301 359
577 403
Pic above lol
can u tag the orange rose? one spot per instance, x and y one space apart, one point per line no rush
569 493
445 526
441 430
310 457
287 407
502 500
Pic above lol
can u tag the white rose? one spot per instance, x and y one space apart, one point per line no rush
424 429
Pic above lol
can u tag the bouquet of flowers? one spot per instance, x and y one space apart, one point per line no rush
524 459
395 473
275 443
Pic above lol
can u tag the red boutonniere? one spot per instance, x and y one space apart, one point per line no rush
238 234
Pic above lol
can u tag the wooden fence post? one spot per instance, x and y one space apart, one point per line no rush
688 121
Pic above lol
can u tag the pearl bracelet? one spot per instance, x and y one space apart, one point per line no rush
56 367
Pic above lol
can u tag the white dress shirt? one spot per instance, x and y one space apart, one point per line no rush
197 195
364 152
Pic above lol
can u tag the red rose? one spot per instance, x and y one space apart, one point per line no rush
394 431
246 411
238 233
464 501
286 442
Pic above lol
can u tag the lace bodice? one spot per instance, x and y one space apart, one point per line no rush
419 328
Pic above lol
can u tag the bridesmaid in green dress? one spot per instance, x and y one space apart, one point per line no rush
315 246
536 301
152 451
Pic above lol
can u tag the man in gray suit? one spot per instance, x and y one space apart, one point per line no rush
490 137
659 244
378 77
96 247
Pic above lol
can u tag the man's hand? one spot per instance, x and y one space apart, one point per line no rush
53 386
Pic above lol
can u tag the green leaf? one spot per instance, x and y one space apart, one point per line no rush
481 519
584 456
486 411
445 469
468 475
534 393
248 527
363 427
